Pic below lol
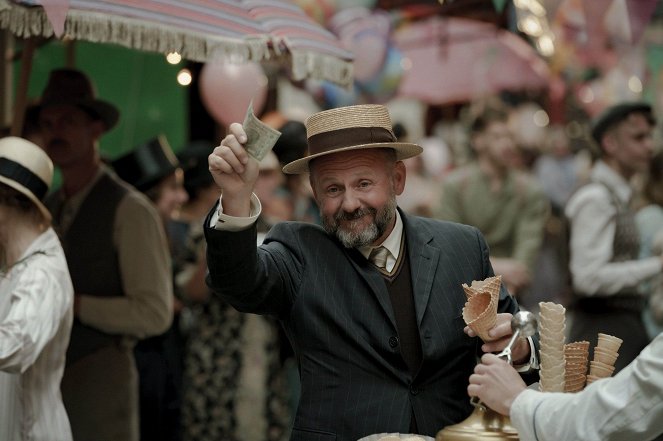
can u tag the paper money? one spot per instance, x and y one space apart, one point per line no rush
260 137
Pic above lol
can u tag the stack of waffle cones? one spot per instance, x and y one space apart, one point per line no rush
605 355
576 355
480 310
552 324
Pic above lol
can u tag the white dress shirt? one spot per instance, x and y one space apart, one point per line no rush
627 407
36 312
592 215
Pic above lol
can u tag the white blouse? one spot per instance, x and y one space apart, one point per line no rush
36 313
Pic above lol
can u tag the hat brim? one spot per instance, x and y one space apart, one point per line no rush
21 189
403 150
99 109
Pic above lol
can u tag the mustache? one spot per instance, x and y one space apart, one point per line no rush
57 142
354 215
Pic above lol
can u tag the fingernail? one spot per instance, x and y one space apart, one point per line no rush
245 160
242 139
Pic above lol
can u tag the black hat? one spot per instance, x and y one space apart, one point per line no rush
193 159
616 114
292 143
72 87
147 164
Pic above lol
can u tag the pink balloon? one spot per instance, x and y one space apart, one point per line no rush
227 89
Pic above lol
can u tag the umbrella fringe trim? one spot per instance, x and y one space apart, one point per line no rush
27 22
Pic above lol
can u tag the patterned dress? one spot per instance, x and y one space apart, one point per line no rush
235 386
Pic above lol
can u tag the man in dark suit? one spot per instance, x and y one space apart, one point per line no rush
380 341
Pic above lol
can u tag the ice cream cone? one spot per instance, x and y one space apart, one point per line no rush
480 314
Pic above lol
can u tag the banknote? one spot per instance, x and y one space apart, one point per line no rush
260 137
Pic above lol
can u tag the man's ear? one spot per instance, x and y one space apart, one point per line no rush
609 144
312 183
97 128
400 173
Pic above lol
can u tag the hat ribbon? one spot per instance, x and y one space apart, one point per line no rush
22 175
336 139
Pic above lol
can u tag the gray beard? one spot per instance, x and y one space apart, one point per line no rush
368 235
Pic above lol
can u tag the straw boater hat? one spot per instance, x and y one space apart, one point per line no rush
27 169
73 87
350 128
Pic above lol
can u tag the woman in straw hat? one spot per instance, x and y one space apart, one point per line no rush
371 303
36 299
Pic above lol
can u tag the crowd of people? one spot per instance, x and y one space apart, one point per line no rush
164 296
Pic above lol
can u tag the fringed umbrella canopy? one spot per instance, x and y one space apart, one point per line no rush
200 30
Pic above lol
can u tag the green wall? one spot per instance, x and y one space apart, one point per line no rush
141 84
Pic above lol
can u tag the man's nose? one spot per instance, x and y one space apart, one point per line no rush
350 201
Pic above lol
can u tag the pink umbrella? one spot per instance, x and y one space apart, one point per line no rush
451 60
200 30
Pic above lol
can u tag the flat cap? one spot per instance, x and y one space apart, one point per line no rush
616 114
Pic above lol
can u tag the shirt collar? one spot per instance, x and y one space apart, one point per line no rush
605 174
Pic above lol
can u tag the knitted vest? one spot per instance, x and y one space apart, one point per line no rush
626 243
402 303
92 257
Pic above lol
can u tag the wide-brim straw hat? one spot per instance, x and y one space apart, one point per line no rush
343 129
73 87
27 169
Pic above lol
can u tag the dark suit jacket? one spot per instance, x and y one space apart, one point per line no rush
335 308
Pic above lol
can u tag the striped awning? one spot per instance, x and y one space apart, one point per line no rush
200 30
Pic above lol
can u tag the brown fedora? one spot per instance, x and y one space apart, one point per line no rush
366 126
73 87
26 168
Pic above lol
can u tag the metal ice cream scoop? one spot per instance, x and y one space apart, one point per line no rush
523 324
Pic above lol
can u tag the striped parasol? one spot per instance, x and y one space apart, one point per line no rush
200 30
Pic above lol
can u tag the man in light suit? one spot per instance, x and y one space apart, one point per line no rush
380 343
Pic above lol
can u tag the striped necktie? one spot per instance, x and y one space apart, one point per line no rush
379 257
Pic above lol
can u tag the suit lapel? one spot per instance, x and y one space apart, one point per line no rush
423 263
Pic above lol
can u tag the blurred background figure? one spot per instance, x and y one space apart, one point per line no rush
505 204
290 146
649 220
604 242
117 256
421 195
36 300
154 170
558 170
235 387
275 198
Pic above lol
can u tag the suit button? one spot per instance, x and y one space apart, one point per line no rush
414 390
393 341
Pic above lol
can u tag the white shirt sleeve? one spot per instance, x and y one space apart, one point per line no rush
592 214
627 407
220 221
39 301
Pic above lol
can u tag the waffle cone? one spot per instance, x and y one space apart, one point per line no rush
480 314
490 285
